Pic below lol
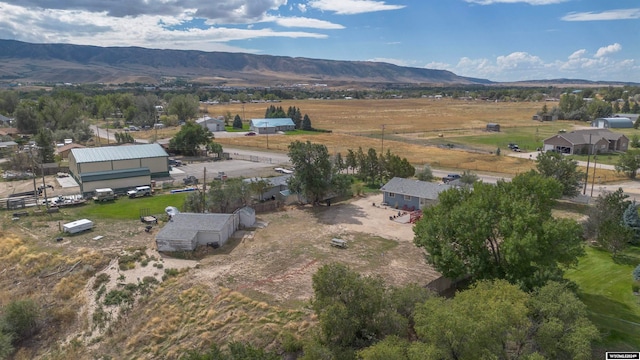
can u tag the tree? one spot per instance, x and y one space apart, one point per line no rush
338 162
392 165
350 161
44 141
315 176
631 220
306 123
628 164
353 311
189 138
512 236
497 320
185 107
194 202
635 141
144 112
468 177
237 122
626 108
225 197
215 148
425 174
605 222
258 187
554 165
9 101
26 116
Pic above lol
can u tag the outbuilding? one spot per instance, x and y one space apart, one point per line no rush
117 167
212 124
493 127
612 123
186 231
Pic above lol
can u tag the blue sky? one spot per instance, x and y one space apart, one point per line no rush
499 40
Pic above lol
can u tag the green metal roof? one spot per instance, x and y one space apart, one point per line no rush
114 174
109 153
275 122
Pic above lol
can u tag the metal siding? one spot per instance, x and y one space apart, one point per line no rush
89 155
125 164
118 185
95 167
156 165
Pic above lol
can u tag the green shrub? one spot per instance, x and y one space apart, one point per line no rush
20 319
100 279
635 287
6 348
636 273
117 297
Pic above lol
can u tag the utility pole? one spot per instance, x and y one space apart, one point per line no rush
382 142
595 165
33 171
267 130
204 192
586 180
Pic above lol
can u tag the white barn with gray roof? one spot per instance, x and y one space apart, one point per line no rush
409 194
187 231
117 167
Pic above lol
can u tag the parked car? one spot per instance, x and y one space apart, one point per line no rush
190 180
175 163
139 191
250 133
451 177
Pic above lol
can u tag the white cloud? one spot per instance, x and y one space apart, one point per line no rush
606 50
530 2
578 54
88 28
619 14
304 22
351 7
302 7
518 60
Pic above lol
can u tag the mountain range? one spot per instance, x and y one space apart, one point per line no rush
65 63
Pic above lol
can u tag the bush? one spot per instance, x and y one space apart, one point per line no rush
425 174
100 279
20 319
635 287
6 348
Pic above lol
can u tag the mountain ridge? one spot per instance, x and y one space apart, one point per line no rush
69 63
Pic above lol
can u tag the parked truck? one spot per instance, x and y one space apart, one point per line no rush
139 192
105 194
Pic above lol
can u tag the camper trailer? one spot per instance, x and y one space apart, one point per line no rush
77 226
105 194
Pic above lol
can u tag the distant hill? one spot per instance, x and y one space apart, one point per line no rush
63 63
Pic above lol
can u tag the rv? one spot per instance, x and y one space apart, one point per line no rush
105 194
139 192
77 226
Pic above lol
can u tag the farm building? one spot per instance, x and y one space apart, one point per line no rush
186 231
612 123
213 124
277 187
587 141
271 126
410 194
493 127
117 167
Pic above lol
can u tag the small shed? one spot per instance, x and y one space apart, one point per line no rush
493 127
247 216
612 123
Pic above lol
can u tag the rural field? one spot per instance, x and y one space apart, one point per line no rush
447 134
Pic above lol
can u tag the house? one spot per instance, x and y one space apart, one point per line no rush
13 132
408 194
612 122
8 147
117 167
187 231
278 187
587 141
65 150
271 126
213 124
493 127
5 120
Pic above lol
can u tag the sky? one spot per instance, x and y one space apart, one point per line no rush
499 40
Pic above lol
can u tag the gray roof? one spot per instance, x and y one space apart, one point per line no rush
273 181
417 188
8 143
207 120
272 122
620 122
579 137
109 153
187 225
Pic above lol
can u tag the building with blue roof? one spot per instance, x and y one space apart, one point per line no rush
271 126
117 167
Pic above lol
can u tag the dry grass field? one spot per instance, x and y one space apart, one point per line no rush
413 128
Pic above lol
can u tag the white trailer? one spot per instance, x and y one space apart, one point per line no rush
77 226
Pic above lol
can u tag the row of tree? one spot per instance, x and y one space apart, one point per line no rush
373 168
575 107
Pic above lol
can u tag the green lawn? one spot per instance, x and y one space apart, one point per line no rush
125 208
528 138
605 287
